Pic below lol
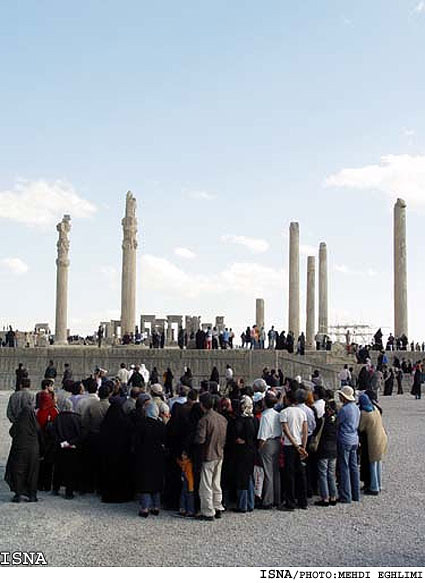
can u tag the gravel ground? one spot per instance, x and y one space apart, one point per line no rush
388 530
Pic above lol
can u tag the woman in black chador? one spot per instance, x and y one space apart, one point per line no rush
149 459
116 435
24 457
245 434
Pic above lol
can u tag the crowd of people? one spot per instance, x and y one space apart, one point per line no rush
381 378
198 450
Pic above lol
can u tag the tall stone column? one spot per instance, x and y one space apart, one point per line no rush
311 304
259 313
62 266
128 281
400 269
323 289
294 280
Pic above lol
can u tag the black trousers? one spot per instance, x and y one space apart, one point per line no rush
66 471
294 477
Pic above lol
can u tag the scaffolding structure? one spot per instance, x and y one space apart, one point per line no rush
359 333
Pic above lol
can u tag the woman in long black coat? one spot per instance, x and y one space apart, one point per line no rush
24 458
67 460
116 435
417 381
389 383
149 460
246 429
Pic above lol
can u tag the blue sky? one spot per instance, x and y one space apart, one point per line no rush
225 120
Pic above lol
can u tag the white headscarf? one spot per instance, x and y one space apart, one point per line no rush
246 406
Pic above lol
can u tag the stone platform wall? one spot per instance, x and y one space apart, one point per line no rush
245 363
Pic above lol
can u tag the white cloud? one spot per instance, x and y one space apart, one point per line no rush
408 133
14 265
397 175
199 194
254 245
243 278
419 8
184 253
348 271
42 204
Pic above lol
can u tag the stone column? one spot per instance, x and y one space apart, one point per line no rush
128 281
62 263
323 289
259 313
294 280
400 269
311 307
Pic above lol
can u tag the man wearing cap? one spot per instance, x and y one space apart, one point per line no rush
348 441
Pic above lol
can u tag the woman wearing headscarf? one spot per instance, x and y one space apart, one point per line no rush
23 463
215 376
417 381
228 483
66 433
326 455
389 383
168 381
149 460
245 432
116 434
371 425
46 414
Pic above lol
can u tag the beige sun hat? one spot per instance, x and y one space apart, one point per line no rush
347 392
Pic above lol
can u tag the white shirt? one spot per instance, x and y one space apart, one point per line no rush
269 425
344 375
311 420
229 374
294 417
123 375
319 405
145 373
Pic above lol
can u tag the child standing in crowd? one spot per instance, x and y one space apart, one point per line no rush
187 496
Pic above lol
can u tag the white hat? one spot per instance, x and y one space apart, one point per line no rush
347 392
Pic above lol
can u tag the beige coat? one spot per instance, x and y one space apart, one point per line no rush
371 424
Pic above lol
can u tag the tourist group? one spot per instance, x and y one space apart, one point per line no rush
280 443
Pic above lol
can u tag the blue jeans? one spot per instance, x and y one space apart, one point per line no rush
187 499
148 500
327 478
375 476
246 497
349 486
